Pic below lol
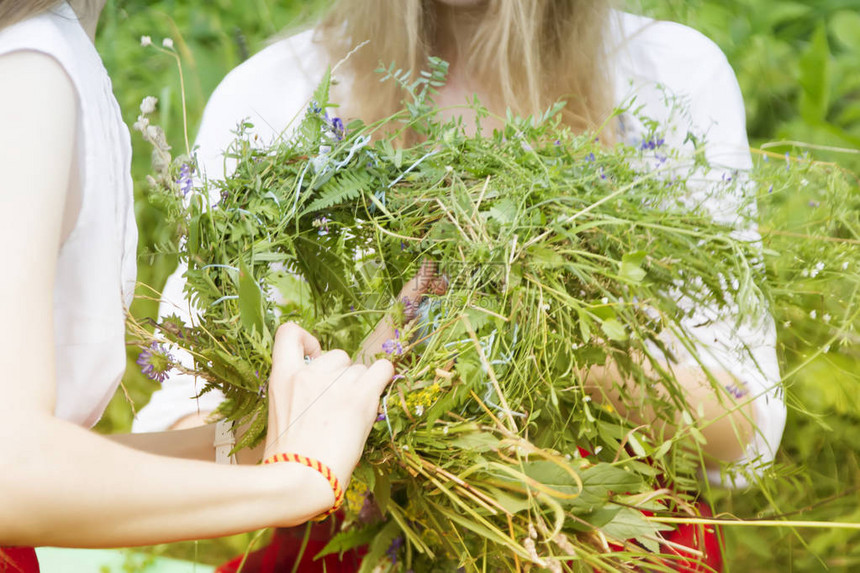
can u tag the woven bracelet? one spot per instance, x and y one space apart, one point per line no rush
323 469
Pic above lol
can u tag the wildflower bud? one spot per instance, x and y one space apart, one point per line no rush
148 104
145 41
141 124
167 43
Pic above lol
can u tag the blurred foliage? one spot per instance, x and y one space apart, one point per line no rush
797 66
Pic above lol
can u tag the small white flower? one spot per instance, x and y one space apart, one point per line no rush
786 324
147 106
813 273
826 349
605 300
449 169
419 410
145 41
805 272
545 306
826 318
813 314
167 43
141 124
845 266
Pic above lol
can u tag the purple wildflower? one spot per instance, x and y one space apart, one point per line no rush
736 391
393 345
322 225
410 309
652 144
392 550
590 157
814 204
155 362
338 127
184 180
380 418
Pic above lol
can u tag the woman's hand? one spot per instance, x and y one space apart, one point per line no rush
325 409
426 281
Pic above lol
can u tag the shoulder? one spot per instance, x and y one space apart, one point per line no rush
270 90
683 81
39 78
288 66
669 52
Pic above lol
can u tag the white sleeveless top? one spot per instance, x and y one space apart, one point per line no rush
97 263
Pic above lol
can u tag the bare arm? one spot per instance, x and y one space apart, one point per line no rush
426 280
727 425
66 486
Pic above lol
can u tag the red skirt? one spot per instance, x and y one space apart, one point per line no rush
286 548
18 560
283 552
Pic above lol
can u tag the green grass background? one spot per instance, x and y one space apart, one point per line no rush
797 63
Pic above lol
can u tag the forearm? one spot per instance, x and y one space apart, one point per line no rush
69 487
371 346
726 424
195 443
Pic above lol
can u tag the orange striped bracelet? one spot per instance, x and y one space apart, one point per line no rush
323 469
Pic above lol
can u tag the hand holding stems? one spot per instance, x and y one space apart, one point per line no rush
426 281
323 409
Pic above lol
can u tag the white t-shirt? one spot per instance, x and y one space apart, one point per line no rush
678 78
96 264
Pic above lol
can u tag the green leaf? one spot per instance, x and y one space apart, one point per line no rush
379 546
815 78
250 299
504 211
475 442
602 480
350 539
845 26
382 490
544 257
631 270
630 524
614 330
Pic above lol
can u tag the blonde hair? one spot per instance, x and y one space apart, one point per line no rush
14 11
530 54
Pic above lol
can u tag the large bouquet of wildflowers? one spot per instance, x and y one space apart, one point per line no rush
560 254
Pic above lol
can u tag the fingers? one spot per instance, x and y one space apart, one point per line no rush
379 375
331 360
292 344
426 280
